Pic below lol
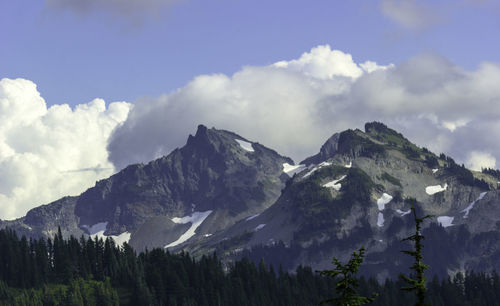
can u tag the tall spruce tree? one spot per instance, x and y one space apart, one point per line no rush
417 283
347 285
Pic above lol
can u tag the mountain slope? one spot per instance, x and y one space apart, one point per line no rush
355 192
217 172
223 193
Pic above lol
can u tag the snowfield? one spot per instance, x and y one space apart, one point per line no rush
323 164
471 205
252 217
445 221
196 219
122 238
335 184
290 170
380 220
98 229
245 145
384 199
403 213
259 227
435 189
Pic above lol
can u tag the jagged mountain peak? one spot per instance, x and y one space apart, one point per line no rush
328 149
217 170
352 142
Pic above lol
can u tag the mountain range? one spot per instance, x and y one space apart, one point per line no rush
223 193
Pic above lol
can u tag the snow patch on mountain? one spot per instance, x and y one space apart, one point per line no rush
252 217
259 227
435 189
245 145
98 229
403 213
471 205
323 164
380 219
196 219
290 170
445 221
335 184
434 170
122 238
384 199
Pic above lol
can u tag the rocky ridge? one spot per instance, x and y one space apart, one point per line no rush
223 193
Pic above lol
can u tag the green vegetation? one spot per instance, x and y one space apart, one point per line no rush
493 172
350 143
431 161
96 272
316 206
417 284
464 175
391 179
77 292
382 133
347 285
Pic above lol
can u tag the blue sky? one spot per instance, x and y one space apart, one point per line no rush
90 86
75 55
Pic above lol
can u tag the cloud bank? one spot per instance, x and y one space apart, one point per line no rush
47 153
294 106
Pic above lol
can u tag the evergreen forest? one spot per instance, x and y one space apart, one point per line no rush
90 271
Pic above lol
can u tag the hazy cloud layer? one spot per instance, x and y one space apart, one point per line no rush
47 153
293 106
135 9
410 14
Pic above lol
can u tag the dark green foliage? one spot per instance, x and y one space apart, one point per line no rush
391 179
350 143
99 273
314 204
382 133
411 151
431 161
471 289
493 172
418 283
464 175
77 292
347 285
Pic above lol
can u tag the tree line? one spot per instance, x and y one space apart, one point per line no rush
90 271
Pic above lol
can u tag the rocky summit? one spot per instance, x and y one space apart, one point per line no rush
224 193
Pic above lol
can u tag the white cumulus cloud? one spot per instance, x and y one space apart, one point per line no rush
47 153
294 106
478 160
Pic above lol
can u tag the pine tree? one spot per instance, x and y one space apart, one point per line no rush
346 286
416 284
